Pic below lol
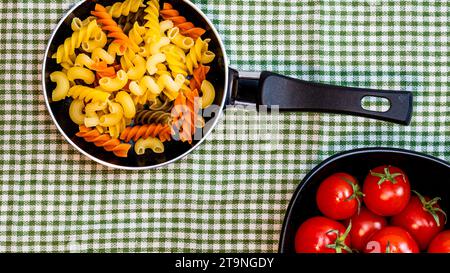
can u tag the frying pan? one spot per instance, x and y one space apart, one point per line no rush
232 88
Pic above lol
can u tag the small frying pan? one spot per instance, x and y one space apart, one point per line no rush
232 88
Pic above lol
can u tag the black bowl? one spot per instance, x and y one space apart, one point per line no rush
428 175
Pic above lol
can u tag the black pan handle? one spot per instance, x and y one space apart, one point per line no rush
291 94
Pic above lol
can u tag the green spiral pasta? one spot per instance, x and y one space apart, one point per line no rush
153 117
158 105
127 22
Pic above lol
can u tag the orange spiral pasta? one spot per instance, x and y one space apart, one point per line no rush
193 106
199 76
185 114
108 24
102 70
186 28
104 140
163 132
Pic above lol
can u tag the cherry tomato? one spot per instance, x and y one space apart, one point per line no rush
365 224
391 240
322 235
338 196
422 218
440 243
386 190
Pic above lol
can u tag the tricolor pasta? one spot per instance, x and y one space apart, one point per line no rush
134 76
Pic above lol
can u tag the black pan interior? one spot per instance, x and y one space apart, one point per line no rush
427 175
173 149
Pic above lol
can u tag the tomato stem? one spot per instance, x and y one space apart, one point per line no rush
339 243
386 176
357 193
388 247
429 206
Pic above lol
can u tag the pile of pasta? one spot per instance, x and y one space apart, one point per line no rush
136 75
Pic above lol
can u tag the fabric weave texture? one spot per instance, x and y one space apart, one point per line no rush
229 195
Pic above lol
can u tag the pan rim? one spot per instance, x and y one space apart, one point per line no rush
295 195
115 166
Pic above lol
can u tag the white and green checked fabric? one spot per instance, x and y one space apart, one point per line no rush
230 194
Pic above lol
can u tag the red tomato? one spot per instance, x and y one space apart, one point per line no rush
391 240
365 224
440 243
338 196
322 235
387 190
422 218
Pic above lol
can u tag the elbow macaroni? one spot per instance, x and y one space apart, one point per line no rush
114 117
149 143
62 85
98 40
114 84
76 112
124 99
153 61
80 73
179 40
99 54
138 70
208 94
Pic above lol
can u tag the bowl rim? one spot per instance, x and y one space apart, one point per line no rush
120 167
338 156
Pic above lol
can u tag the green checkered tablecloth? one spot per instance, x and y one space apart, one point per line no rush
230 194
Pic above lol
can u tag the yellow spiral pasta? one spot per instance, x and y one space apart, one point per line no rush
65 52
171 86
88 94
136 33
176 60
152 24
199 53
124 8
